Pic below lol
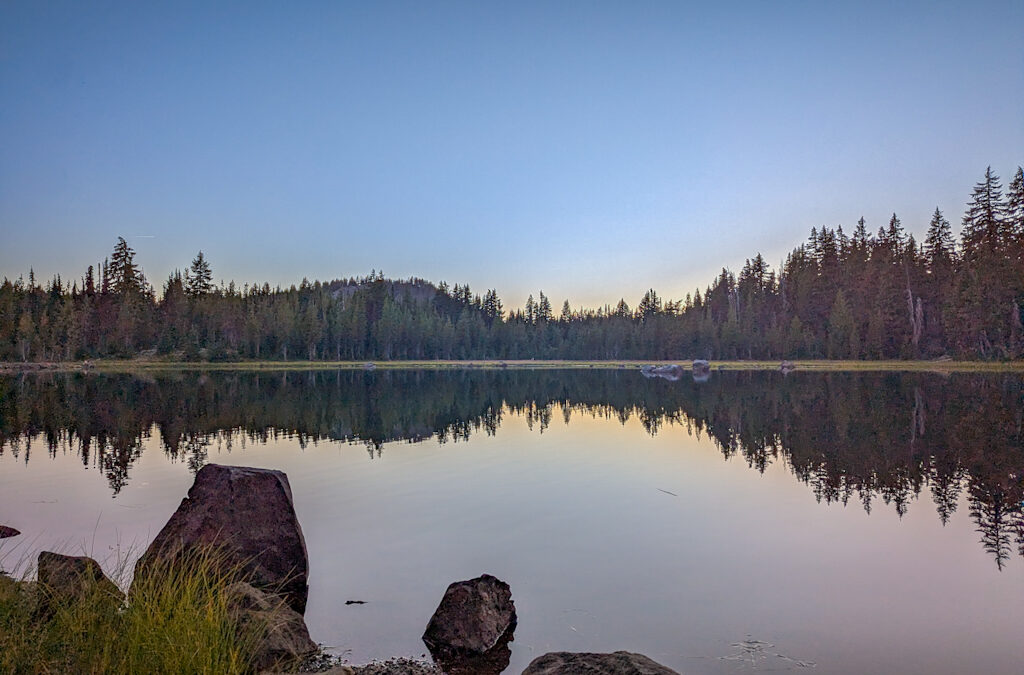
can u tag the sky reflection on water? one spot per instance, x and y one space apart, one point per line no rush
610 537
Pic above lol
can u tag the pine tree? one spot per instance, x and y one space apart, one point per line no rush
894 236
198 277
1015 213
566 316
649 306
983 223
544 311
938 244
125 276
492 307
89 283
531 310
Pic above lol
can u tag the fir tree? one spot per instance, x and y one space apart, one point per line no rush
1015 213
566 315
938 244
125 276
983 223
649 306
544 311
198 277
492 307
531 310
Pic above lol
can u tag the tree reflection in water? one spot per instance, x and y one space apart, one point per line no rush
849 436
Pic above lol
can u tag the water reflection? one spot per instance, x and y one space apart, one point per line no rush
862 437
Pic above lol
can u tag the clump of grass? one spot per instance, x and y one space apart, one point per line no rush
178 618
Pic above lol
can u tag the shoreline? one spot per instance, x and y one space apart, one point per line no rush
150 365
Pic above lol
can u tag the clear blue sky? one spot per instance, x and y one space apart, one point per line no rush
588 149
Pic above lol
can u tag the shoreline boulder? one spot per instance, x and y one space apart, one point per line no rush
672 372
472 626
284 639
65 579
616 663
246 517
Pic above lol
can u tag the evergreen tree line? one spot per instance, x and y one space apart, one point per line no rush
839 295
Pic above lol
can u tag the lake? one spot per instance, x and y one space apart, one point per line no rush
814 522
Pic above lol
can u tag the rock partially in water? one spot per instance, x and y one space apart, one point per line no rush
6 532
247 516
286 641
672 372
616 663
65 579
492 662
471 628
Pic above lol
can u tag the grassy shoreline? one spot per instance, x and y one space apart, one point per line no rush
179 618
149 365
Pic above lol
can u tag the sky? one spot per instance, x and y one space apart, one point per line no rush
591 150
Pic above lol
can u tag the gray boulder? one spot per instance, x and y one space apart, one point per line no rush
65 579
6 532
248 517
471 628
672 372
617 663
284 637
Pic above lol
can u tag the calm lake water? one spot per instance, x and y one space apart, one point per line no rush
832 523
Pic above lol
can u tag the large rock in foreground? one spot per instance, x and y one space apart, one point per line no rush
471 628
285 638
65 579
248 517
617 663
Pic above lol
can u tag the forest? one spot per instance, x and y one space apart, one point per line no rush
839 295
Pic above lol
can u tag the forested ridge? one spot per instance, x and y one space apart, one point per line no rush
839 295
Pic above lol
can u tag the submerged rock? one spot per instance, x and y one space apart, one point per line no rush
471 628
286 640
65 579
247 516
6 532
616 663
